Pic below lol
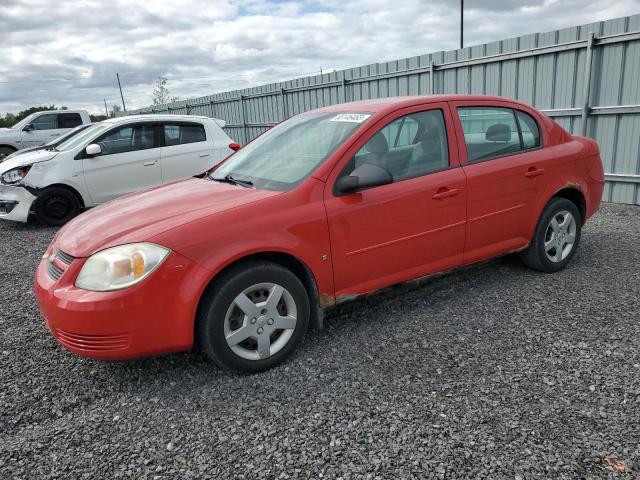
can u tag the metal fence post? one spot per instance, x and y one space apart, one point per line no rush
243 122
284 103
587 85
344 89
432 80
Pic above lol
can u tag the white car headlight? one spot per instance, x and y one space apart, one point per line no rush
15 175
120 267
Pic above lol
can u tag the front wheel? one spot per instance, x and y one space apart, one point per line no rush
55 206
253 318
556 237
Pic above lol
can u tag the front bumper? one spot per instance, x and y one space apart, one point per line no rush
15 203
153 317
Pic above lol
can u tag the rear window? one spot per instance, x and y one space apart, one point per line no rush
69 120
180 134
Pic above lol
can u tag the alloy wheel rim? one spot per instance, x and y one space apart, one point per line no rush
260 321
560 236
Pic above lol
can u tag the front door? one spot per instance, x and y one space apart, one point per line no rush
411 227
45 129
129 162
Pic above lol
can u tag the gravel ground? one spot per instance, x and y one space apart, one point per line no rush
491 372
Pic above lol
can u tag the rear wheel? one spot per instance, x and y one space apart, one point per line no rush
55 206
556 237
253 318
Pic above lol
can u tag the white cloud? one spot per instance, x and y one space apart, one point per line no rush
68 52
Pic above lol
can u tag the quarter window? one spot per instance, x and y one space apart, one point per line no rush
47 121
179 134
69 120
529 129
410 146
127 139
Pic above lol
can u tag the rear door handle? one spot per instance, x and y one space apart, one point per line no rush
148 164
202 155
533 172
445 192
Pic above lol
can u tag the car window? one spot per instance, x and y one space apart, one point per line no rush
410 146
127 139
180 134
489 132
529 129
69 120
48 121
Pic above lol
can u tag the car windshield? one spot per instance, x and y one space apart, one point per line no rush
80 138
288 153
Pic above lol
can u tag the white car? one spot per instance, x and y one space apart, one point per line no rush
40 128
107 160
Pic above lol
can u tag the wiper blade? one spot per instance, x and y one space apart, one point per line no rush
234 181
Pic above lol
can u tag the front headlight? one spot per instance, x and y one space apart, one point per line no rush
15 175
120 267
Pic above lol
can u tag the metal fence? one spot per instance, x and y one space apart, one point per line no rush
586 77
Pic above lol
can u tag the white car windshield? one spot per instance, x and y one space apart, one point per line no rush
79 139
288 153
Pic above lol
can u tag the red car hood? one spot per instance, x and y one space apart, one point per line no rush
140 216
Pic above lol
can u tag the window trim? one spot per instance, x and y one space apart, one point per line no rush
180 123
380 125
458 105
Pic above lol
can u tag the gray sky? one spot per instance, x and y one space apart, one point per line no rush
67 52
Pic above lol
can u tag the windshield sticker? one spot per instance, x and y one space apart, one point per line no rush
351 117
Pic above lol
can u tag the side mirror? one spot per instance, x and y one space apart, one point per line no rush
366 175
93 150
28 128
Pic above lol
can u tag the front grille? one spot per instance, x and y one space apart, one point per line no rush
54 271
64 257
93 343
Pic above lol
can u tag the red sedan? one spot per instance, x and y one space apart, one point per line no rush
327 206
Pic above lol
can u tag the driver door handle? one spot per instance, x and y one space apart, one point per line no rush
148 164
445 192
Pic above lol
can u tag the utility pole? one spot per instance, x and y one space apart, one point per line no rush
106 112
121 96
461 23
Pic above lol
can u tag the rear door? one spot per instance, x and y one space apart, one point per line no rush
186 150
411 227
129 162
503 159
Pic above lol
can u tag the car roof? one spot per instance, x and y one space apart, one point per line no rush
381 105
159 117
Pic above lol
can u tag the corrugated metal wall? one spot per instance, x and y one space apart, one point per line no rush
586 77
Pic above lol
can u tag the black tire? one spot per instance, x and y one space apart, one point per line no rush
210 321
5 152
535 256
55 206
